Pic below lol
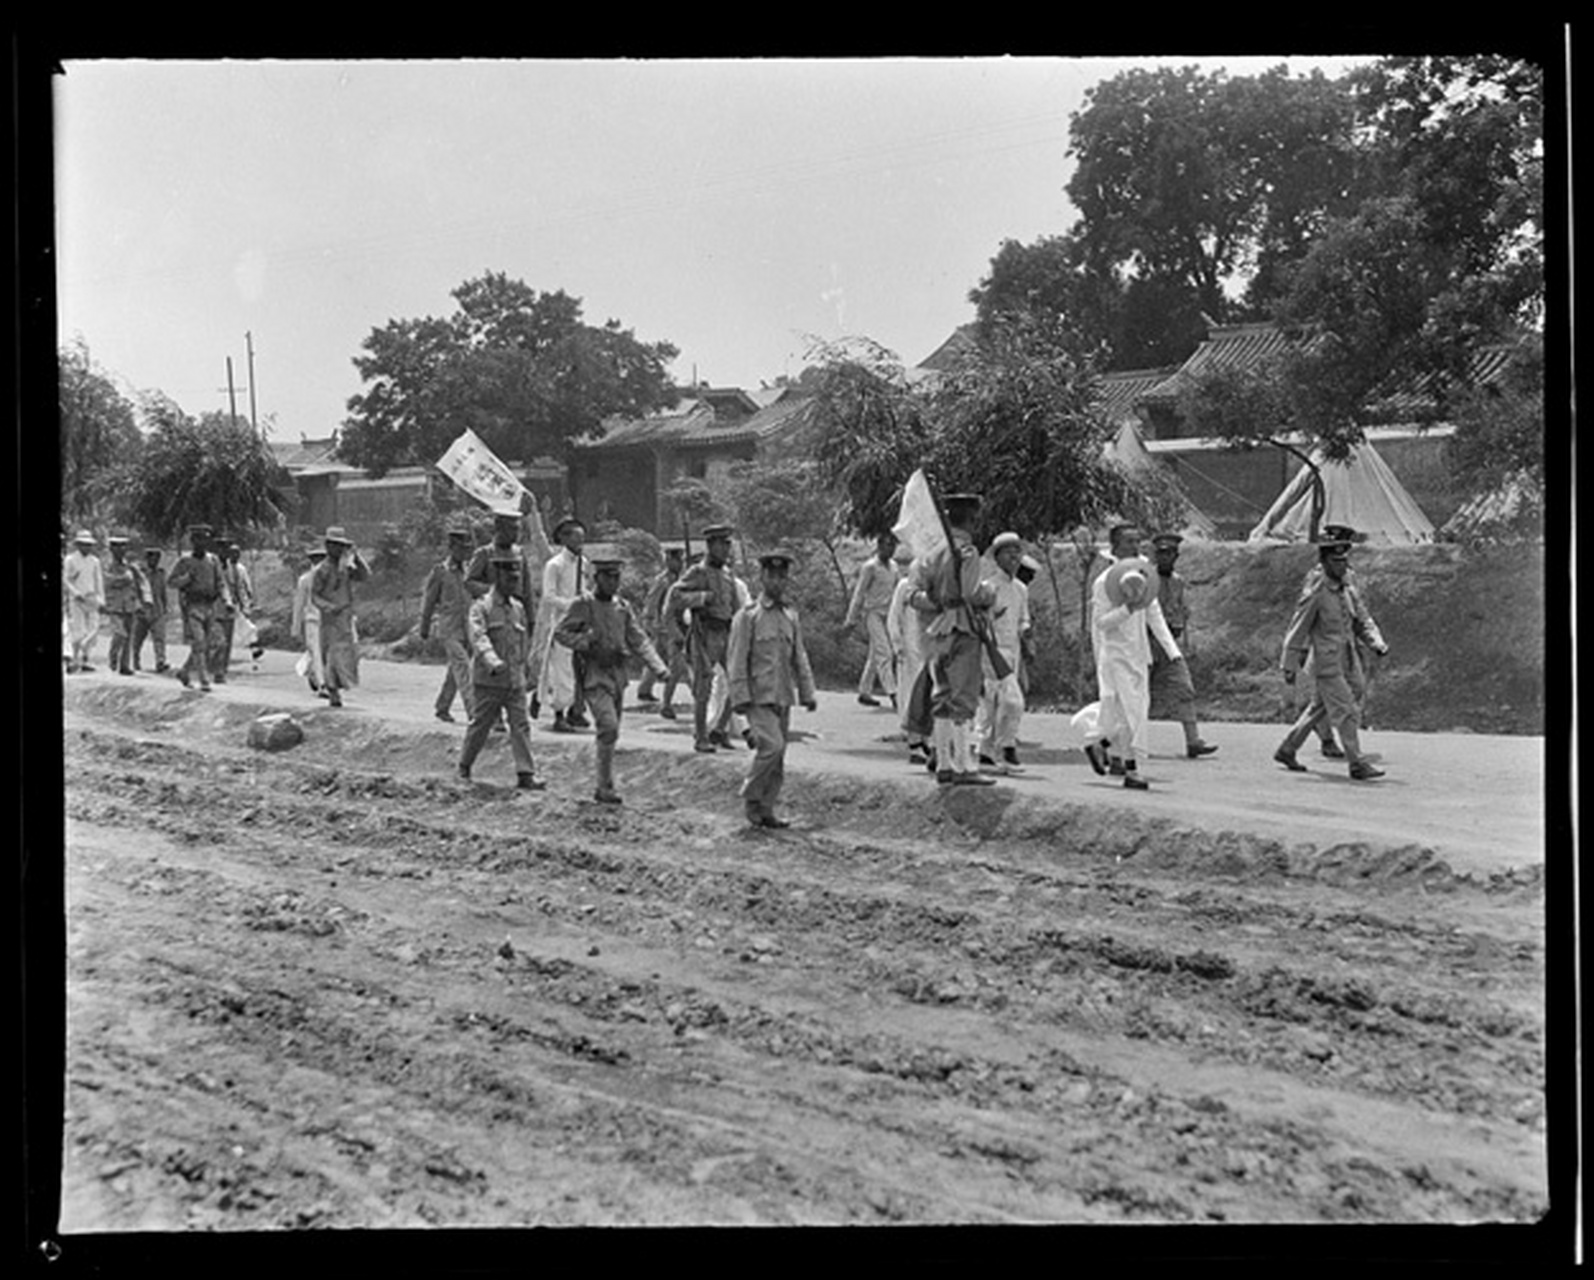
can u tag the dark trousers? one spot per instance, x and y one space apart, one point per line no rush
487 701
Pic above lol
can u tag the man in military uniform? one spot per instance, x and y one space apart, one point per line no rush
447 600
768 668
125 594
1366 633
197 579
501 651
708 589
1329 626
150 621
949 590
664 631
1172 690
602 629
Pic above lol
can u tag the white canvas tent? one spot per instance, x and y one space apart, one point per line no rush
1129 451
1361 492
1513 510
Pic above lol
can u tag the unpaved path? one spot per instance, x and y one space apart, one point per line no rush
337 987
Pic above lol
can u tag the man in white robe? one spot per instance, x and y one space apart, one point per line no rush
1123 668
565 579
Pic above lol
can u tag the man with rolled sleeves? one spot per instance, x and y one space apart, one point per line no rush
603 630
1329 626
949 591
150 622
871 601
197 579
125 593
1172 690
501 652
446 600
83 577
768 668
708 590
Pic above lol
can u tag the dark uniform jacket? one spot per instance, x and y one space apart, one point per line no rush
498 631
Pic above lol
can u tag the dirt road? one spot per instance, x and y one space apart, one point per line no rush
336 987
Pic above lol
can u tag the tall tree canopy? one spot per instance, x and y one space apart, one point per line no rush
207 469
518 367
99 434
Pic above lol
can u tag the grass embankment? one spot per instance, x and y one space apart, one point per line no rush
1465 629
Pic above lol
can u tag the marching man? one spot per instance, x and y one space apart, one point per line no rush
605 632
769 671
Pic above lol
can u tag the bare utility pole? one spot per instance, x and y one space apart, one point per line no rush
249 343
232 398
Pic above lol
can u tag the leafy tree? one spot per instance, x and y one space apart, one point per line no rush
1186 181
787 504
99 435
519 368
1500 429
869 431
204 469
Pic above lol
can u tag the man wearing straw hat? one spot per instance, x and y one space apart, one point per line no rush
1124 617
306 624
603 630
767 665
566 577
84 581
332 593
197 580
1002 701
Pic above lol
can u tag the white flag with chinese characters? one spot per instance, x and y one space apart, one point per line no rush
476 469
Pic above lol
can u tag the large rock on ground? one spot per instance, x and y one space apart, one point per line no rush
276 732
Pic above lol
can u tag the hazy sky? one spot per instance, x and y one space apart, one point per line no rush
733 208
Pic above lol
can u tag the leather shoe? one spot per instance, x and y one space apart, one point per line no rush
607 797
1135 782
561 725
1288 760
576 720
945 777
1097 757
1332 750
1115 766
1363 772
446 717
668 712
772 823
707 748
972 780
865 700
530 782
1198 749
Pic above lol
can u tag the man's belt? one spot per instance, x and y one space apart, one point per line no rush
712 624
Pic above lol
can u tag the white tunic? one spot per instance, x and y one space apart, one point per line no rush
565 578
1118 636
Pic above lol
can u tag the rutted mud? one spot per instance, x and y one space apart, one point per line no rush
338 987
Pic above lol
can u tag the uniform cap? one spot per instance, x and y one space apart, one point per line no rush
1338 533
776 557
199 530
569 522
459 529
510 559
1167 540
116 540
608 564
317 553
717 531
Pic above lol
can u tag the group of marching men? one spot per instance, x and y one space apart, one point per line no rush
513 650
215 592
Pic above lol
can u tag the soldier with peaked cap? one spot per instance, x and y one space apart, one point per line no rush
332 592
709 590
604 631
767 665
664 631
1368 637
447 600
1330 626
1172 690
150 622
565 579
871 601
500 641
1001 705
83 579
197 579
125 592
949 590
305 624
